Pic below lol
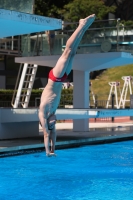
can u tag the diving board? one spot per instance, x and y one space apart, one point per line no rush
21 123
31 115
91 113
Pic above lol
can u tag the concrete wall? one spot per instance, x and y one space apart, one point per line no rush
18 130
18 123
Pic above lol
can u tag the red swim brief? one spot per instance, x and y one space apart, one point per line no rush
55 79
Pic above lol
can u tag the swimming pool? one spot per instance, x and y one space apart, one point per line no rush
98 172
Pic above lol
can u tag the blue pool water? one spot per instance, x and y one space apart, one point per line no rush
99 172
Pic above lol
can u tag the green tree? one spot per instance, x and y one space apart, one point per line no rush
49 7
72 10
77 9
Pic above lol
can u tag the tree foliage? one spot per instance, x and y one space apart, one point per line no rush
72 10
78 9
124 8
49 7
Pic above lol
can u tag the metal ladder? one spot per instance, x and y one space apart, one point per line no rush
127 85
22 92
113 90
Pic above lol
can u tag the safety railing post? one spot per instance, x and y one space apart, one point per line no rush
112 102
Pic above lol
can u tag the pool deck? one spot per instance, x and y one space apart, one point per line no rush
99 132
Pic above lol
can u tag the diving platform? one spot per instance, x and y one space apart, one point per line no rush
82 66
19 23
83 62
21 123
15 123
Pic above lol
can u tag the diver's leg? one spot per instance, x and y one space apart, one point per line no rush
71 46
70 64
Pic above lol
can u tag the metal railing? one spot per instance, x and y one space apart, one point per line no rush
10 46
65 102
102 36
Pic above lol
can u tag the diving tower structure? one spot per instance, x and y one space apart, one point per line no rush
104 49
19 23
82 66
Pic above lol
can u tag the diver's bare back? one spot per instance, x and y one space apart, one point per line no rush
50 97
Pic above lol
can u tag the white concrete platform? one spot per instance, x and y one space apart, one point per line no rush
26 120
83 62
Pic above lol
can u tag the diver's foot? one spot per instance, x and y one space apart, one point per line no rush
51 154
86 23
